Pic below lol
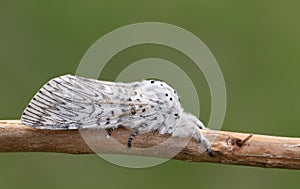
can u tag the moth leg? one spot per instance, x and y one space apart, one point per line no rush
200 124
204 141
133 134
109 132
195 120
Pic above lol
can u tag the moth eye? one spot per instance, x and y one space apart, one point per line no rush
152 81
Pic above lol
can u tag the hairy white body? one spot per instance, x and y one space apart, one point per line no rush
71 102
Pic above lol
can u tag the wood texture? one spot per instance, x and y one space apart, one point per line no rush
228 147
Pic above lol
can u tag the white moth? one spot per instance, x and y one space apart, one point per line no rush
71 102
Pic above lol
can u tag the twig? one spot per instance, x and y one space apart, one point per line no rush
229 147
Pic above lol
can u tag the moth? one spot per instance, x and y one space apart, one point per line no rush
72 102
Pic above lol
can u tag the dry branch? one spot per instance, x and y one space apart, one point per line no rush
258 150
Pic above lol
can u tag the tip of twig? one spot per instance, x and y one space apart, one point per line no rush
242 142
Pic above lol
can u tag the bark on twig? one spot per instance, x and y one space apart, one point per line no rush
229 147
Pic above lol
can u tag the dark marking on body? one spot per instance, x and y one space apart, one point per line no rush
133 111
99 114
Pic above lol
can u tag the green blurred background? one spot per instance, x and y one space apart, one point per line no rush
256 44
